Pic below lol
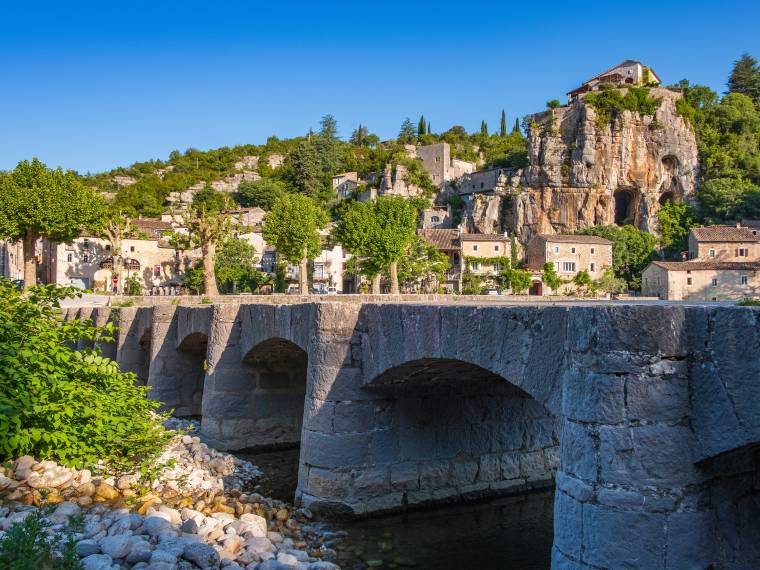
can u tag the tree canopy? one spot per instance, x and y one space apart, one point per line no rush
632 250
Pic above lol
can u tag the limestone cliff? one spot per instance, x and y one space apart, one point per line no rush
585 172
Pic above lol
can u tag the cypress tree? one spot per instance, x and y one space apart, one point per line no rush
421 126
428 126
503 126
483 128
516 128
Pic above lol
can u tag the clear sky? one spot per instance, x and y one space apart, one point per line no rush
94 85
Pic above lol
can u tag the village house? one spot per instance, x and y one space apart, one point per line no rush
487 182
436 217
724 243
442 167
345 184
629 73
447 241
11 260
723 264
570 255
485 255
701 280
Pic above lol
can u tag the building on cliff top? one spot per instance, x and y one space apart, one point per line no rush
724 243
628 73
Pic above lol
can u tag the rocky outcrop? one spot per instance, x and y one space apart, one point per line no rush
585 172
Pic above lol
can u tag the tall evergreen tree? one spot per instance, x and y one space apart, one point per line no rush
745 78
421 126
484 128
428 126
306 169
407 134
503 126
516 128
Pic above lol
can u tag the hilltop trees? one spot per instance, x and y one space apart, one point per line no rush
36 202
260 193
421 127
632 250
292 227
407 134
745 78
234 267
503 125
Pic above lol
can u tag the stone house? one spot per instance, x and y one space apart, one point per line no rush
436 217
11 259
437 160
448 242
485 255
345 184
627 73
709 280
570 255
724 243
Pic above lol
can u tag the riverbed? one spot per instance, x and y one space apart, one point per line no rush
504 533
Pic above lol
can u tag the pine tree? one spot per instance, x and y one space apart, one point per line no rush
484 128
745 78
421 126
503 127
407 132
516 128
428 126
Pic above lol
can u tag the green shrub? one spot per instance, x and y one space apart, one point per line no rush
27 546
72 406
133 286
609 103
749 303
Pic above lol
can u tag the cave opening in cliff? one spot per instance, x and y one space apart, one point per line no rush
623 203
667 198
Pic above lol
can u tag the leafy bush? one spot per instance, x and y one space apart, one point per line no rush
72 406
749 303
27 546
133 285
632 250
609 103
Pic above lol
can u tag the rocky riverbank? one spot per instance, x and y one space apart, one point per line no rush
197 510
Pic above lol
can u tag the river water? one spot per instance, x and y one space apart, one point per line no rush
513 533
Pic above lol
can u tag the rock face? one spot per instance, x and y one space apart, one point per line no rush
584 172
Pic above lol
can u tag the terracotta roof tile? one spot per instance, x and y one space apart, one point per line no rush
568 238
724 233
445 240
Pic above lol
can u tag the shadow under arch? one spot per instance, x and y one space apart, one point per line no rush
441 430
276 369
191 374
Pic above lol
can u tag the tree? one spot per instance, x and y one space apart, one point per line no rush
306 170
745 78
583 281
359 136
484 128
421 126
212 200
674 220
70 405
519 280
234 267
292 227
423 266
260 193
115 228
328 127
428 128
516 127
407 134
194 279
503 125
354 230
553 104
327 146
608 283
550 277
723 197
36 202
632 250
206 229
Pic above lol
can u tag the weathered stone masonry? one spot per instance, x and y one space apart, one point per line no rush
646 416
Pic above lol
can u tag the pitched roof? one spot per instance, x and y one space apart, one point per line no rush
708 265
484 237
151 224
445 240
569 238
725 233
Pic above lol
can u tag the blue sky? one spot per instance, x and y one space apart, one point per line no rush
94 85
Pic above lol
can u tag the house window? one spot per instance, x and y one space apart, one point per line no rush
572 250
108 247
131 248
496 247
556 249
85 258
646 281
70 258
592 267
556 265
481 185
475 247
744 279
438 159
86 243
688 280
568 266
742 252
435 219
592 251
711 253
475 266
714 282
497 267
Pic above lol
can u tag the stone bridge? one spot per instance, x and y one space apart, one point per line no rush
644 418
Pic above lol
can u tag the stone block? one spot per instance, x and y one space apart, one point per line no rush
611 536
318 415
568 525
435 474
463 472
510 465
329 484
575 488
621 498
354 416
653 398
335 450
405 476
489 468
532 464
578 451
372 481
691 540
417 444
590 397
385 446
